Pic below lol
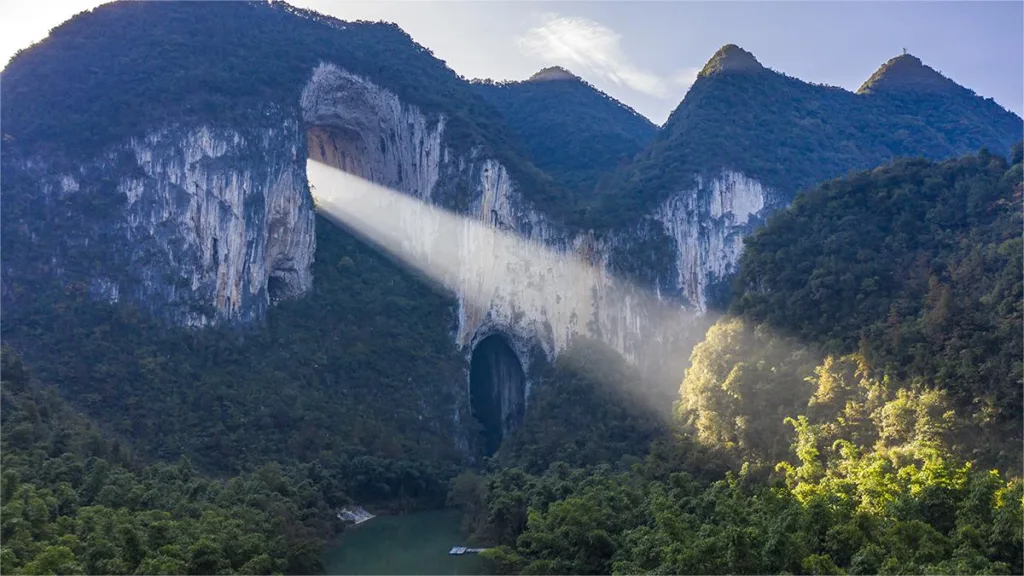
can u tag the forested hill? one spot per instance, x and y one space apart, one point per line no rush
866 397
572 130
790 134
915 265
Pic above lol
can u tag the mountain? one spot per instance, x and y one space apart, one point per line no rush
746 139
807 133
906 73
571 130
189 298
915 265
164 266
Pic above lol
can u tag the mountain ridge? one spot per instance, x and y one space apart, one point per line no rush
573 131
710 130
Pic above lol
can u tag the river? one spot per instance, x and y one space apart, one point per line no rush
405 544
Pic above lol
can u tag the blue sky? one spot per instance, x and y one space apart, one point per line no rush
647 53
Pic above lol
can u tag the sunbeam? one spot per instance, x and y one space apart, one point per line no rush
559 293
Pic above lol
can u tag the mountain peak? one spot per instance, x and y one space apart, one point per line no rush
553 73
906 72
731 58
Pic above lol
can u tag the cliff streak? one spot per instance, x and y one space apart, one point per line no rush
196 223
707 225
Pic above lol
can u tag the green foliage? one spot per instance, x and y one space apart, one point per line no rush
918 266
315 384
842 463
869 486
740 386
75 502
586 409
805 134
572 131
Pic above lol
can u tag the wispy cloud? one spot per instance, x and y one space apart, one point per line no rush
581 43
686 77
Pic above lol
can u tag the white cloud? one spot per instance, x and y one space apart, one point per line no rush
686 78
581 43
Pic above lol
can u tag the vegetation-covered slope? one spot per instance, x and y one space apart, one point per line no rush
283 424
572 131
849 453
872 492
354 366
917 266
75 501
791 135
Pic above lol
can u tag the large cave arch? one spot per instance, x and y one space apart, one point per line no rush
497 390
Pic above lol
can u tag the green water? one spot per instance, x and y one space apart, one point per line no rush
406 544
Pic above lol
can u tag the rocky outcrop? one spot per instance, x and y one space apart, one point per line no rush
199 225
365 130
707 225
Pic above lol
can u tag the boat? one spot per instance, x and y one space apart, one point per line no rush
460 550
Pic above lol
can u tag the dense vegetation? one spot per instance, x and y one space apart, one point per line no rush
273 428
315 380
805 443
126 68
75 501
915 265
847 419
572 131
608 421
880 494
806 134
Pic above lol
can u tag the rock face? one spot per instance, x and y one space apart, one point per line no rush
367 131
707 226
199 225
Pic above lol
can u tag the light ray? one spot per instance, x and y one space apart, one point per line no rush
556 294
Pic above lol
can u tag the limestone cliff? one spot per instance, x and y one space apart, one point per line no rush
200 225
707 225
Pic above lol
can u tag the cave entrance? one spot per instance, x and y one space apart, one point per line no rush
497 390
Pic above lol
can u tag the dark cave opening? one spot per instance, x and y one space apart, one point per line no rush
277 288
497 390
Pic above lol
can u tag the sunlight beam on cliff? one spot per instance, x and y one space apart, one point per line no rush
542 292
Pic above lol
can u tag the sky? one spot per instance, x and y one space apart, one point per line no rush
646 54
